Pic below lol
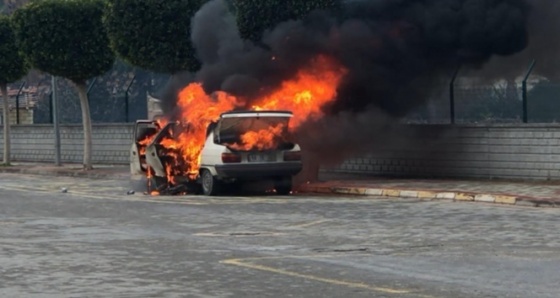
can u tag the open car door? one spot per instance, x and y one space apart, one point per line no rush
143 131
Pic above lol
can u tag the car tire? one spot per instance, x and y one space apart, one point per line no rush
283 186
210 185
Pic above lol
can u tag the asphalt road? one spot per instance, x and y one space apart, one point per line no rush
96 241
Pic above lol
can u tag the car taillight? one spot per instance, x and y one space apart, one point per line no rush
230 158
292 156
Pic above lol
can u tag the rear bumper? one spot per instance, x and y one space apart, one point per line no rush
258 170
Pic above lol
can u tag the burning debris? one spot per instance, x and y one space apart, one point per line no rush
338 76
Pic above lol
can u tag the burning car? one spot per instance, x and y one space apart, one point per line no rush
240 147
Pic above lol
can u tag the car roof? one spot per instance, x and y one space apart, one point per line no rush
268 113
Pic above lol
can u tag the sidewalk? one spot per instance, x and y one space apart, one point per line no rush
71 170
521 193
528 193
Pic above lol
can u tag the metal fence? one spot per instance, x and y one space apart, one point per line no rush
498 103
121 96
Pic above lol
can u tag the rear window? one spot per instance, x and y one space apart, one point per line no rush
254 133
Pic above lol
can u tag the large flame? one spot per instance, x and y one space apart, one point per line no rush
304 95
307 93
146 140
263 139
198 110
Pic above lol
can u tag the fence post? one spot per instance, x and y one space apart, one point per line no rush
51 120
56 121
524 91
91 85
452 95
17 101
126 103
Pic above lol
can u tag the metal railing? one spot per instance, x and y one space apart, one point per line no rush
121 96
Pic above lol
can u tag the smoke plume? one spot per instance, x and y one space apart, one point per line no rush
394 50
543 47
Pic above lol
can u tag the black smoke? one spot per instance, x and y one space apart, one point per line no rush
543 47
243 68
395 51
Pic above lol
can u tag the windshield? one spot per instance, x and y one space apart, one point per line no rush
254 133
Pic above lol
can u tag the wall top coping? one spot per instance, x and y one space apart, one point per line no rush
75 125
500 125
504 125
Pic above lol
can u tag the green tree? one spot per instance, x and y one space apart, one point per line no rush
153 34
66 38
256 16
12 68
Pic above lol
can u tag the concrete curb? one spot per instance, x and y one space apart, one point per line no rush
62 172
456 196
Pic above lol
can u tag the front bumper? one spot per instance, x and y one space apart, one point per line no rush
258 170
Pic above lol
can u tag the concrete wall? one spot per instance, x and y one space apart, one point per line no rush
499 151
35 143
25 116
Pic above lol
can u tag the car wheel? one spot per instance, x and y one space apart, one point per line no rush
210 185
283 186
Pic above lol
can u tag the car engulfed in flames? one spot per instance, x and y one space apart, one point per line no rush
221 140
239 148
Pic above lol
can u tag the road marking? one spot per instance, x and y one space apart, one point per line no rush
243 263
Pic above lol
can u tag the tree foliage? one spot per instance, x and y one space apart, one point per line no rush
12 68
256 16
153 34
65 38
12 63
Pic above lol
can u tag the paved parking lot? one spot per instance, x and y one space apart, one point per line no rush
96 241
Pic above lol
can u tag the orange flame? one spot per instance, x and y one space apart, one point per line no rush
198 111
264 139
148 139
305 95
314 86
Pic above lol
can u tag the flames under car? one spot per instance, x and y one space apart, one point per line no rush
240 147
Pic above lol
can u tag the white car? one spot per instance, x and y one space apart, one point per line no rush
224 160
